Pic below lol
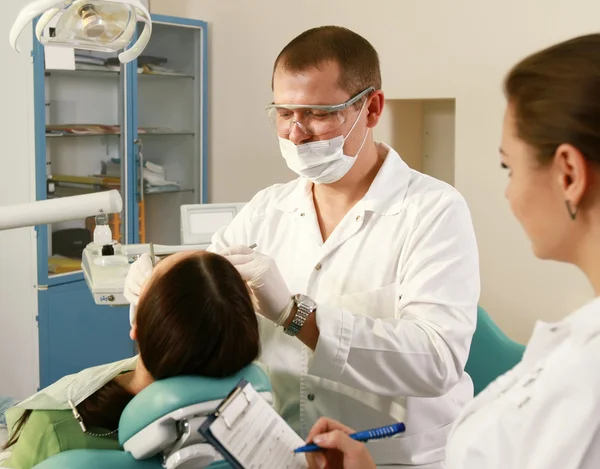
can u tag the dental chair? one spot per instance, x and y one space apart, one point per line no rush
492 352
159 427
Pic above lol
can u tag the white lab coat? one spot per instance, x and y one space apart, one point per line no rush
396 284
545 412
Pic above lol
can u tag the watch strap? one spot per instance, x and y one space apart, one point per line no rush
303 311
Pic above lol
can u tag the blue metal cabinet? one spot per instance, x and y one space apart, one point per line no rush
75 333
104 126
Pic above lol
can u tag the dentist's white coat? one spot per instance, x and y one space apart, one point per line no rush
545 412
396 284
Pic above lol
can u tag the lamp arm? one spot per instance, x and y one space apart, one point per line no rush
45 212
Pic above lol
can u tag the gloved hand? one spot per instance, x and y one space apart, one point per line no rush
261 274
139 272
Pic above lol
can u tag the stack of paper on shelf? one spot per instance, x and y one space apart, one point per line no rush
155 179
155 176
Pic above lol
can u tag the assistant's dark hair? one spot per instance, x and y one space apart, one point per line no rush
555 96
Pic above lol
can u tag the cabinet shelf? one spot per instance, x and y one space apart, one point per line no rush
84 73
118 134
167 191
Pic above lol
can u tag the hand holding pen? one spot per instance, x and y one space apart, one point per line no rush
335 446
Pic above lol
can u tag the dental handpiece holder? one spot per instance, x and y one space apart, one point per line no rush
105 263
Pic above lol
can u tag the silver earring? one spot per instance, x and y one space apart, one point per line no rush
572 213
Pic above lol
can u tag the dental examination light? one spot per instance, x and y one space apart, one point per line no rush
96 25
45 212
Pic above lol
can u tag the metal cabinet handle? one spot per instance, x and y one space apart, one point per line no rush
140 145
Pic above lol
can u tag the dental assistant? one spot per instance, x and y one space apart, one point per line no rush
366 273
545 412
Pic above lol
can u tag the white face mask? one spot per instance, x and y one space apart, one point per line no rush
323 161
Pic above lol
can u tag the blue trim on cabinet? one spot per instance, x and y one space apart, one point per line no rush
204 143
132 153
39 113
178 20
43 316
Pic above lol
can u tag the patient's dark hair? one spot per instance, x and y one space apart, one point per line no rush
196 318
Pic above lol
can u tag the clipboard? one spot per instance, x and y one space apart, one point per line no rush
249 433
204 429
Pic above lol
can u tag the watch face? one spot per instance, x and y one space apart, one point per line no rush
306 301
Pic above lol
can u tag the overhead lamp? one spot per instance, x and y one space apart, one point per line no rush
96 25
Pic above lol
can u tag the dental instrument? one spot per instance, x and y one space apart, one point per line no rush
152 254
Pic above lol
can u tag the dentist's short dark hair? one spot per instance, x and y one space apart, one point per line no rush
357 58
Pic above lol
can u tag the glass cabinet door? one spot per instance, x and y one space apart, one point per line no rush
170 114
83 148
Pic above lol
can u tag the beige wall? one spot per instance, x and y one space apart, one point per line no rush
439 130
401 126
429 49
18 296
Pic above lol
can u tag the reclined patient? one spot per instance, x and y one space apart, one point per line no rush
195 317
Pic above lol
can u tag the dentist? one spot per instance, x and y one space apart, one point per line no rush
366 273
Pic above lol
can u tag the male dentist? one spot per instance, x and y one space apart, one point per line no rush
365 272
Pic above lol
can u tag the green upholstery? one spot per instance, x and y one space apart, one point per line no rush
167 395
492 352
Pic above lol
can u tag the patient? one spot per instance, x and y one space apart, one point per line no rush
195 317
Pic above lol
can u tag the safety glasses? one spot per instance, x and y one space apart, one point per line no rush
313 120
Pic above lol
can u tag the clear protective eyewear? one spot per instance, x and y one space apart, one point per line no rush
97 25
313 120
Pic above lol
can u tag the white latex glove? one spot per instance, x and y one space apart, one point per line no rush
139 272
260 272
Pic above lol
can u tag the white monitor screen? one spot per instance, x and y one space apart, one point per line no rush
209 222
199 222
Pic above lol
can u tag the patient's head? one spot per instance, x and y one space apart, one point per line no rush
195 317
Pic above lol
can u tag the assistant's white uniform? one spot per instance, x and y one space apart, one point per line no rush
396 284
545 412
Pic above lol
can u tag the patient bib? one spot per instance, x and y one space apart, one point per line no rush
76 387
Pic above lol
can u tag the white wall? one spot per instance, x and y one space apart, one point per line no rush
429 49
18 298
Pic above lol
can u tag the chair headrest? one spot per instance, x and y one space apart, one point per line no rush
165 396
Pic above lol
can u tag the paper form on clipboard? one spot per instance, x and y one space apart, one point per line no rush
248 430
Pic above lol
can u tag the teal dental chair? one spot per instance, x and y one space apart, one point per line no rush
492 352
158 428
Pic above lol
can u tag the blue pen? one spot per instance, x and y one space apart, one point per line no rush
374 434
